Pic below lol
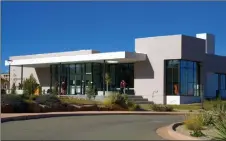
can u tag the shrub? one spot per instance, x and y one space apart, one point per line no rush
107 102
48 100
133 106
29 85
90 91
15 101
161 108
13 90
74 100
197 133
119 99
221 130
207 118
193 122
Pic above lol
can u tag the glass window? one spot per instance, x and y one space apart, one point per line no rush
88 68
182 77
78 68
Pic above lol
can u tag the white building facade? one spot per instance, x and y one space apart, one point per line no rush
175 69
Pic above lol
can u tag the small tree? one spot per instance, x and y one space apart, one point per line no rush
90 91
29 85
20 86
107 80
13 90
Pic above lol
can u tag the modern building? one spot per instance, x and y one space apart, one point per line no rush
172 69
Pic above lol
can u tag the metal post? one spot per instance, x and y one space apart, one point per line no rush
21 79
59 75
104 77
9 75
51 77
9 61
201 89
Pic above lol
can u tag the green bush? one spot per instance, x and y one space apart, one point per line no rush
29 85
161 108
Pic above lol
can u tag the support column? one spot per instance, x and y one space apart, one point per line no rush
22 69
51 77
104 77
59 75
9 77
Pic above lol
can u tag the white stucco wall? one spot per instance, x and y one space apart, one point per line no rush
149 75
42 75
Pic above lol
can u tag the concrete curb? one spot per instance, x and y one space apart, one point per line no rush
27 116
176 135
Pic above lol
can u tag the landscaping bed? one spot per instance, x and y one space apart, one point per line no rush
12 103
209 132
206 124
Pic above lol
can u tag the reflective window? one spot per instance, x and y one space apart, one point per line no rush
77 76
182 77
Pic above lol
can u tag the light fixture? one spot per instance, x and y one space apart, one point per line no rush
112 62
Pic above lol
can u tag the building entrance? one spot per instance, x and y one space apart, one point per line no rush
73 79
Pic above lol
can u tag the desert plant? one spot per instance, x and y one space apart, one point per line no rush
197 133
13 90
30 85
193 122
221 130
206 118
133 106
74 100
90 91
161 108
121 100
107 102
107 80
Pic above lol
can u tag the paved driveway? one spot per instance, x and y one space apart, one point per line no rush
104 127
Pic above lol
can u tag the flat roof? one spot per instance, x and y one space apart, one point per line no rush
119 57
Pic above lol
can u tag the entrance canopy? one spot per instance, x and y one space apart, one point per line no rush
109 57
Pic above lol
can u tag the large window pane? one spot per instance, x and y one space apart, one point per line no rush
78 68
182 77
88 68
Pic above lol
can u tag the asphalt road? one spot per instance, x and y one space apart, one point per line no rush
105 127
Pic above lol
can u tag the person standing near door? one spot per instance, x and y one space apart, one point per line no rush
63 88
123 87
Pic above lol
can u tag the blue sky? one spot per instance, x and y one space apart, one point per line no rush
43 27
